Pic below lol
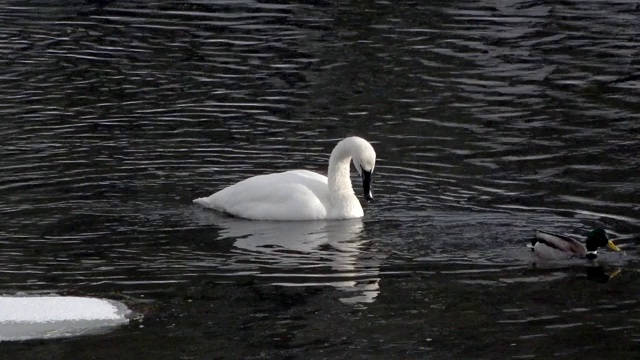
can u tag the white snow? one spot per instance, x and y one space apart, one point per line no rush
55 308
33 317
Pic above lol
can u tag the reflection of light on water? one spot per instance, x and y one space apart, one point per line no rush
298 253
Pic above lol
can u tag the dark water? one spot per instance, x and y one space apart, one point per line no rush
490 118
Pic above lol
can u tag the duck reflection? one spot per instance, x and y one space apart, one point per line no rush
302 253
600 274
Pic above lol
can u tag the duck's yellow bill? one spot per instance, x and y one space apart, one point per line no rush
612 246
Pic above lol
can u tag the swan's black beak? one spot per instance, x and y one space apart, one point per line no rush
366 185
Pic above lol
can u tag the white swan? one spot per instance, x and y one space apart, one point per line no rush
302 194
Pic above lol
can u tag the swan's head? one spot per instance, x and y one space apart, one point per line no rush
364 159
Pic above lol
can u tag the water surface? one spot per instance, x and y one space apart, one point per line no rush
489 118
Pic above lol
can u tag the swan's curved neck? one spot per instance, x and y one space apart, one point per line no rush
339 181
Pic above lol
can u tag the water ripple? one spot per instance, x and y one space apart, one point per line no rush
489 119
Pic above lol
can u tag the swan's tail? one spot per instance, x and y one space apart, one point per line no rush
202 202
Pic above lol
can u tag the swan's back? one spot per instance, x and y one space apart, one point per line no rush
290 195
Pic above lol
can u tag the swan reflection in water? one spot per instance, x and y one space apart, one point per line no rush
301 253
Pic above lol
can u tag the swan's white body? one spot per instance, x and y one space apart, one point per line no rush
300 194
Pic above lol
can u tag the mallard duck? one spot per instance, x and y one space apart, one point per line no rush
553 246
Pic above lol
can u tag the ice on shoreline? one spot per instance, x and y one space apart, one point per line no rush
31 317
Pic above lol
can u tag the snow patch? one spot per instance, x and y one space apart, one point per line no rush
31 317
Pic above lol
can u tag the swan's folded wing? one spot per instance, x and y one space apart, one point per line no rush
291 195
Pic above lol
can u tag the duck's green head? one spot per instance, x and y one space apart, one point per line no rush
597 238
